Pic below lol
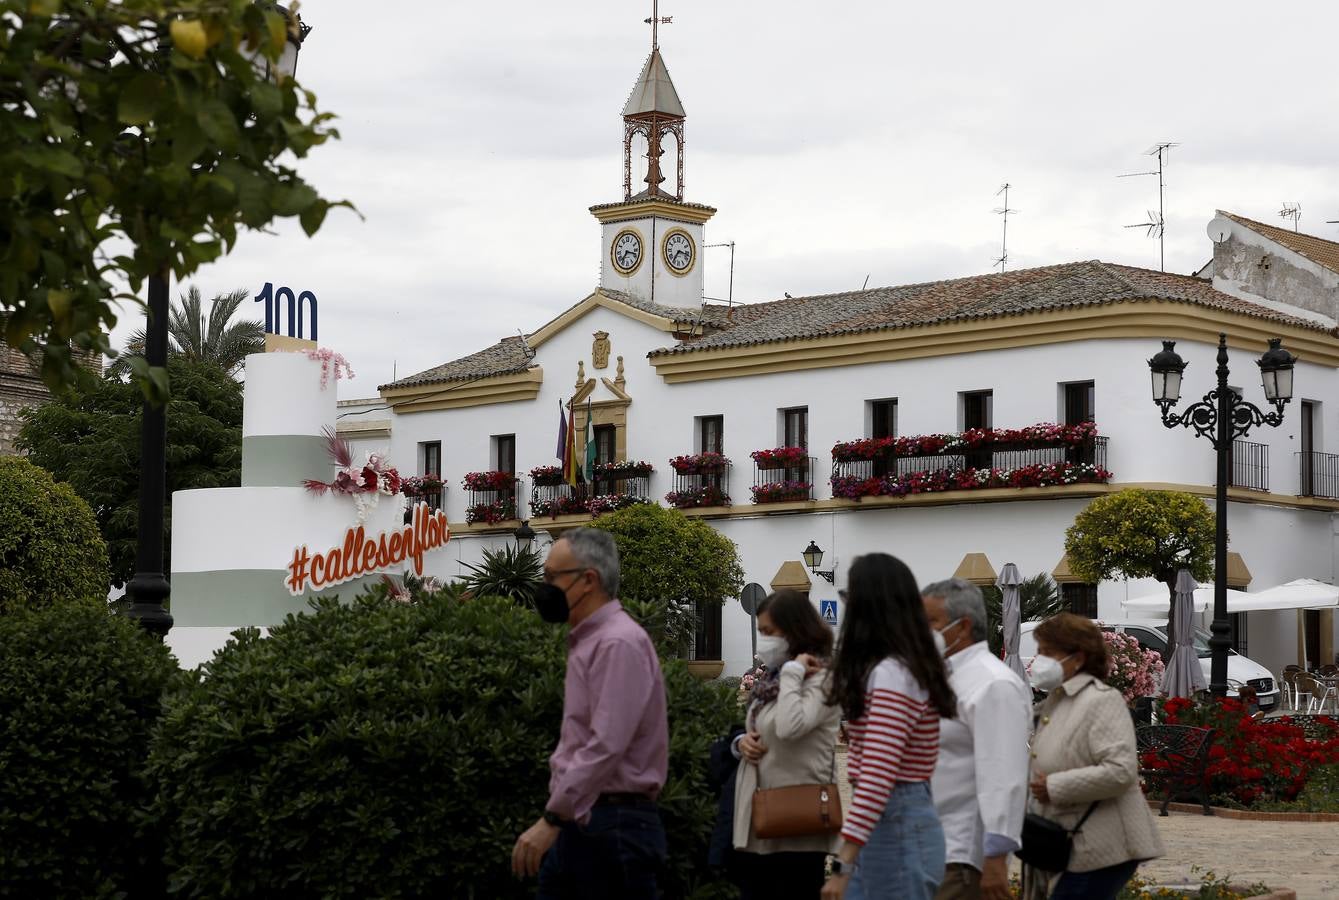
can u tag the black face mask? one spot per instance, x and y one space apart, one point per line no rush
551 603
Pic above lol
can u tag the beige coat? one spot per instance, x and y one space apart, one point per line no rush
799 730
1084 742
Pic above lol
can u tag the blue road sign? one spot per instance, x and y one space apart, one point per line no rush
828 609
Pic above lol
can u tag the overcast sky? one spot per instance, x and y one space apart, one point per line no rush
837 140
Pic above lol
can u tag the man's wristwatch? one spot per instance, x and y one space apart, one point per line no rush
554 819
838 868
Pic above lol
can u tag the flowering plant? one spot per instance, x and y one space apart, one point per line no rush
862 450
1252 759
1044 434
1133 671
365 484
491 513
562 505
699 464
613 470
779 491
545 476
330 361
421 485
489 481
704 495
780 457
750 678
854 487
604 503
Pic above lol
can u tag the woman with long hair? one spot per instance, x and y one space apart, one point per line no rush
889 678
790 739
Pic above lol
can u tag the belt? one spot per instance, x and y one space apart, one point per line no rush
624 799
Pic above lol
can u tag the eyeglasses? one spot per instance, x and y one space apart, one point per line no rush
550 576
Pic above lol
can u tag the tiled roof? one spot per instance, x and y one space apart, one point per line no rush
1080 284
506 356
1318 250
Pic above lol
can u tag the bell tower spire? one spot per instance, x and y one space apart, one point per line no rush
653 112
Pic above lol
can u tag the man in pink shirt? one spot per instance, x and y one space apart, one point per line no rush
600 835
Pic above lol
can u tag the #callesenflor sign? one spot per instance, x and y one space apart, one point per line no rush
365 554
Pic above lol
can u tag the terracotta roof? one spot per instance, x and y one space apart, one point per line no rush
1318 250
663 198
1069 285
506 356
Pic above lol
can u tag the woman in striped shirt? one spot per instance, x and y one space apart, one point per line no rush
890 680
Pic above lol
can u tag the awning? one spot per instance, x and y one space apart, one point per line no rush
1305 593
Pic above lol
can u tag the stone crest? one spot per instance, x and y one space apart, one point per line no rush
599 350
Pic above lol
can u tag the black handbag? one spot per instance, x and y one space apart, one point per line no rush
1047 844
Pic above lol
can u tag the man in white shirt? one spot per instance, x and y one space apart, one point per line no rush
980 780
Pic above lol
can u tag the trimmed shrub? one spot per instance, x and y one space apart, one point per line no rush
391 750
79 692
50 548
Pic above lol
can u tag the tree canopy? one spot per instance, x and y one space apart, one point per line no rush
1139 533
136 138
208 338
91 439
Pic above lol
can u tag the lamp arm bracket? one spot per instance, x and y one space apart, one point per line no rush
1202 416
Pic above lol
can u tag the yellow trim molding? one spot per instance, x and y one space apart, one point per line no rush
1143 319
509 388
595 301
645 209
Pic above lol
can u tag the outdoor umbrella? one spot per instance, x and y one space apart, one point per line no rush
1012 608
1183 675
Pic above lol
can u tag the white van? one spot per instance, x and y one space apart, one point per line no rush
1152 635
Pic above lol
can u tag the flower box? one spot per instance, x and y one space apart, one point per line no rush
564 505
1030 437
421 485
491 513
612 471
780 458
690 498
604 503
546 476
781 491
863 450
854 487
489 481
700 464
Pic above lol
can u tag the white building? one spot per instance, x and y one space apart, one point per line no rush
664 375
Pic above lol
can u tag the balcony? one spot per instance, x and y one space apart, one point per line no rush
1036 456
700 480
615 486
418 489
492 497
1248 466
1318 475
782 474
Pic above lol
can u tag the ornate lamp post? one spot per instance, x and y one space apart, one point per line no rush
148 589
813 558
1222 417
524 536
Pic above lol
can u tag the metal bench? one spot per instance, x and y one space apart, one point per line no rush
1184 751
1316 728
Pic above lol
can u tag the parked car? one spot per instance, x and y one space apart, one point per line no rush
1152 635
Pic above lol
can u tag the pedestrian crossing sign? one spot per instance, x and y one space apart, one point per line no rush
828 609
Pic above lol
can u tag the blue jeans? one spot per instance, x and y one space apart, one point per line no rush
1099 884
904 857
614 856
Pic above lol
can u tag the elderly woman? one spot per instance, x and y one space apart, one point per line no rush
1084 762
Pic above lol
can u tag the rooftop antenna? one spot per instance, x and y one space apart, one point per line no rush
525 345
655 22
1292 211
1156 225
866 284
730 297
1004 211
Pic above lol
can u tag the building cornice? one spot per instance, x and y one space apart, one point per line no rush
692 213
1143 319
596 301
507 388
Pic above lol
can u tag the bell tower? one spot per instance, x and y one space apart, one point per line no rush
652 239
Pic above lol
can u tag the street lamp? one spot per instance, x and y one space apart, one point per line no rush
1222 417
148 589
813 558
524 535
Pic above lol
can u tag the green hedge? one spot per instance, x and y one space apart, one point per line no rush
50 548
389 750
79 692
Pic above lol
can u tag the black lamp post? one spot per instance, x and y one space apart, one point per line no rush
525 536
813 558
148 589
1222 417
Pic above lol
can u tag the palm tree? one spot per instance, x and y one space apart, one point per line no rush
1039 599
204 338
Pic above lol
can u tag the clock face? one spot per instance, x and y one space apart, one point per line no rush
626 252
679 251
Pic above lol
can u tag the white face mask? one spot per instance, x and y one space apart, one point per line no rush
773 650
1047 673
940 643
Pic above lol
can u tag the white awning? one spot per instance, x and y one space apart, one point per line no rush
1305 593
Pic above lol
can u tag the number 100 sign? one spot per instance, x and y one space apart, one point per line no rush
296 306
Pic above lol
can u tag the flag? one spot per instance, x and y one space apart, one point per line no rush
561 452
590 443
570 468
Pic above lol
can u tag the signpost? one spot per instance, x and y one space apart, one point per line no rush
828 610
749 598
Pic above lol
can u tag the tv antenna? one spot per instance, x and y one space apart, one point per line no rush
1004 211
730 297
655 22
1292 211
1156 225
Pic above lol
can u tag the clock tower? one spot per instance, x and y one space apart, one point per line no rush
652 240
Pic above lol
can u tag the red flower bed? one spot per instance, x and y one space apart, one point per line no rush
1044 434
491 513
706 495
545 476
780 457
781 491
699 464
489 481
851 487
1253 759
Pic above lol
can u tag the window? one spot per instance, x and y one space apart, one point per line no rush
504 452
711 434
977 409
605 443
1080 598
883 418
1236 623
707 633
1078 402
431 454
1307 437
795 427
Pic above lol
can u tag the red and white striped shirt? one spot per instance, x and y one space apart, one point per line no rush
897 739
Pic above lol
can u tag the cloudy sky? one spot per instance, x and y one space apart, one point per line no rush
838 141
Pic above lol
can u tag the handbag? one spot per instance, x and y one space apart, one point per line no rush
1047 844
798 810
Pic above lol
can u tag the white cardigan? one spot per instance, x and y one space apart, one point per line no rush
799 729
